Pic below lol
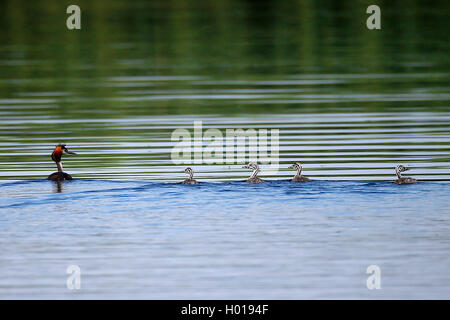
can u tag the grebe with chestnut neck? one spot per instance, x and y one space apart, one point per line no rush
57 154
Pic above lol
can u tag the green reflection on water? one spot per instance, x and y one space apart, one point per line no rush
217 39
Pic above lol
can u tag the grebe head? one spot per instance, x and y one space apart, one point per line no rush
296 166
399 169
60 149
251 165
66 151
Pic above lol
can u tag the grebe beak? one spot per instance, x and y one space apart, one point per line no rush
291 167
68 152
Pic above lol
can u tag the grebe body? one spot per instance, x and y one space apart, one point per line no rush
300 179
57 154
403 180
59 176
298 176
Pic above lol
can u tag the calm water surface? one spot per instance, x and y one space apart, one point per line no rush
137 239
349 103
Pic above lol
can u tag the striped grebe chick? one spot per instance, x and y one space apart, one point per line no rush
190 180
253 178
57 154
398 170
298 176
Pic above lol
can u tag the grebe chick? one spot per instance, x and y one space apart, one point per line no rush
298 176
190 172
253 178
398 170
57 154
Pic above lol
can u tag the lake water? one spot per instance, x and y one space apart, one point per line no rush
227 240
349 104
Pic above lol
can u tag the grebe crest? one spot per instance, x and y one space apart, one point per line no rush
253 178
190 180
298 176
57 154
398 170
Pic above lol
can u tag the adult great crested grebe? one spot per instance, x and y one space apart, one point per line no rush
398 170
190 180
253 178
298 176
57 154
